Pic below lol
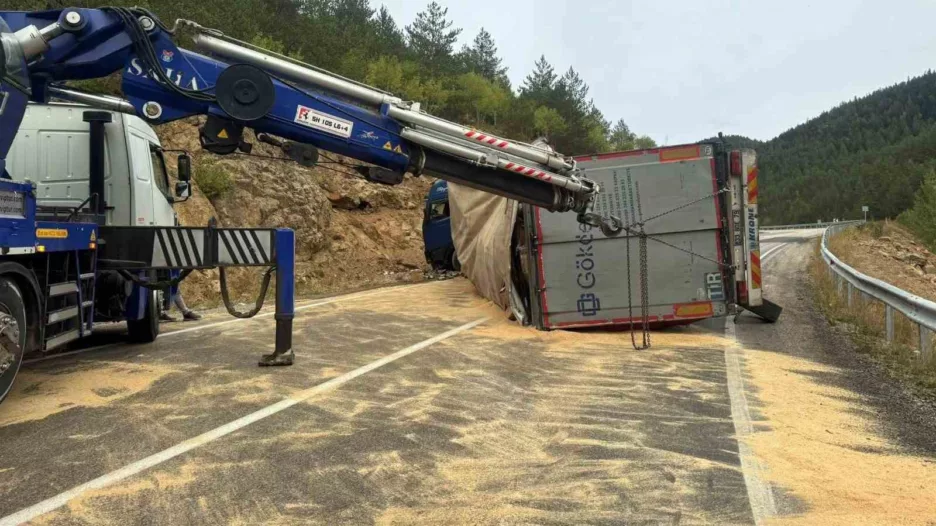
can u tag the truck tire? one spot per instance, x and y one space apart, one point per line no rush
146 329
12 333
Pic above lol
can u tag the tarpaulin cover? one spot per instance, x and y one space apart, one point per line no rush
482 224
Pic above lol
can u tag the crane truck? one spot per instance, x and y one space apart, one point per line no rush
52 146
59 273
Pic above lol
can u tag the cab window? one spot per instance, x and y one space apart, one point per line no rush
159 170
439 210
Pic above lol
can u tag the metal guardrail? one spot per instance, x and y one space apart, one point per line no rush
916 309
807 226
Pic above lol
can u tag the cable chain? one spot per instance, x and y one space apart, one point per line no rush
686 205
635 228
644 280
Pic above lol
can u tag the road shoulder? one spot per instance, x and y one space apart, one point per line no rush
833 431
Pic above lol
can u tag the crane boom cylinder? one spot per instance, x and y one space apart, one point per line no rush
491 160
526 190
529 153
226 49
103 102
290 71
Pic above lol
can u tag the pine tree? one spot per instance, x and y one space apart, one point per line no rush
481 58
347 19
621 137
388 38
431 38
572 90
352 12
539 84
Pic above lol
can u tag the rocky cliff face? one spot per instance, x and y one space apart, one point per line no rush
889 252
350 234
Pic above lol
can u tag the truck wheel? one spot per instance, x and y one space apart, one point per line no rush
146 329
12 333
454 263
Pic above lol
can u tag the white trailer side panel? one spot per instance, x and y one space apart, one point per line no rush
582 275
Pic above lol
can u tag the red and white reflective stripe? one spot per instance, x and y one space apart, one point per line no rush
526 170
480 137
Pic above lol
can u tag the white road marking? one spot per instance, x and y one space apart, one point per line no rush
772 251
143 464
268 314
222 323
69 353
760 494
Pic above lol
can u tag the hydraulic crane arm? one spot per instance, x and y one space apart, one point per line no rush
240 86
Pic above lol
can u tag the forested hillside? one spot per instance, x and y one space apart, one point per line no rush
418 60
875 151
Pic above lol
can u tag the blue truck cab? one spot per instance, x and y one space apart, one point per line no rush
437 229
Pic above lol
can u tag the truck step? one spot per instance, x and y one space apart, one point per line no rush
60 289
87 275
62 314
62 339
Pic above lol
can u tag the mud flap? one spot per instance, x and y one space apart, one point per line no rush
767 311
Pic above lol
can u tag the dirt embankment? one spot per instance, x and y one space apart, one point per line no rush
350 234
890 253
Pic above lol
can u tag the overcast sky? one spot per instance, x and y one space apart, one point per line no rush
683 70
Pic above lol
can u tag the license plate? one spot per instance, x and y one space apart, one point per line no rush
12 204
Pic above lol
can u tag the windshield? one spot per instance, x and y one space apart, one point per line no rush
13 65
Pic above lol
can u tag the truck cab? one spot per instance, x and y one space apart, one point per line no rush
437 229
51 149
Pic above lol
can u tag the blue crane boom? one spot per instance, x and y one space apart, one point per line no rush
244 86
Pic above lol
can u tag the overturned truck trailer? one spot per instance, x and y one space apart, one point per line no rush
690 250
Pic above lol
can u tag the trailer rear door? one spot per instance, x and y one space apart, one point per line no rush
752 275
581 276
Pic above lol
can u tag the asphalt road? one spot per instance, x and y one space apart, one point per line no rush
415 404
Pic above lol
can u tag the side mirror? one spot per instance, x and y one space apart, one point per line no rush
185 168
183 189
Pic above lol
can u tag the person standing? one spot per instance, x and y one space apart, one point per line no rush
174 297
